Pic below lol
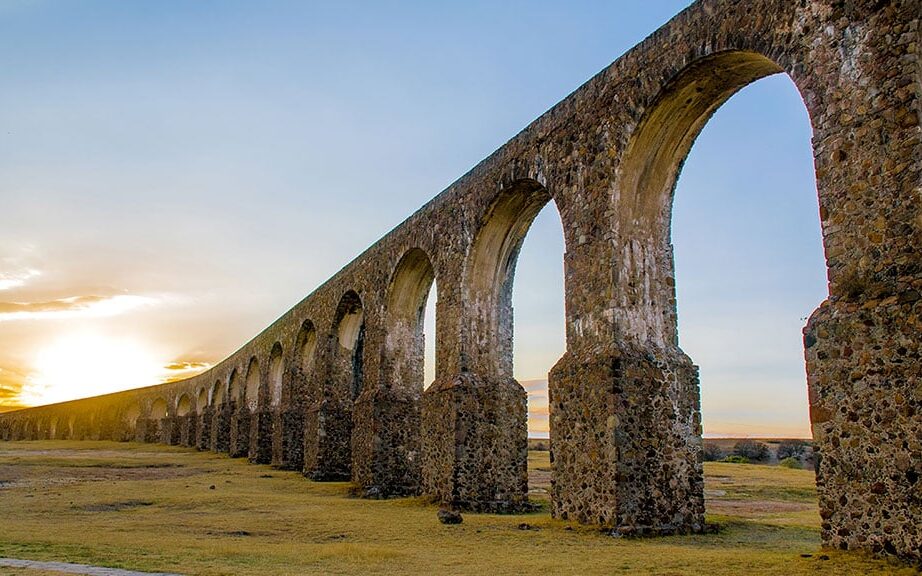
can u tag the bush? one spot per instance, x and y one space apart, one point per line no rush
711 452
791 462
791 449
751 449
736 460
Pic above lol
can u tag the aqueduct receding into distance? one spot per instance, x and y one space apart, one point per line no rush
335 386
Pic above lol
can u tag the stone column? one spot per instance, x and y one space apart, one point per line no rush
260 450
221 427
203 430
240 432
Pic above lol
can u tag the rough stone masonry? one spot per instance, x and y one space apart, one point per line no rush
335 387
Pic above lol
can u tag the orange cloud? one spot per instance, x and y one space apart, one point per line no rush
16 279
74 307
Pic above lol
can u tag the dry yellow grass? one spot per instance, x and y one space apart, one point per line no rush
147 507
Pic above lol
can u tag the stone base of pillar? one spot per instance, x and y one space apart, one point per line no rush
864 371
626 442
187 428
288 439
261 437
203 430
327 442
240 434
475 443
220 429
169 431
386 443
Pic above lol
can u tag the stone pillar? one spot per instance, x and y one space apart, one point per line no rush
220 428
260 450
240 432
327 435
203 430
169 431
864 370
386 443
626 442
475 443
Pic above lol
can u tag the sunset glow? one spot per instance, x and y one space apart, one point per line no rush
87 364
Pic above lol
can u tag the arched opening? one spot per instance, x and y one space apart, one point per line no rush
183 406
276 370
407 296
252 385
131 417
202 401
217 394
490 346
748 265
235 388
306 346
349 343
158 409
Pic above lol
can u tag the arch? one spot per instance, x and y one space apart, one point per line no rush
217 393
252 385
158 409
490 274
306 347
202 400
276 371
184 405
647 177
349 336
408 292
235 387
53 429
131 415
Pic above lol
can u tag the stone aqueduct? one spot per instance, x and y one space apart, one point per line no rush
335 386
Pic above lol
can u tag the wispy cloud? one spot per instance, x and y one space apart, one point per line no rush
17 278
74 307
183 369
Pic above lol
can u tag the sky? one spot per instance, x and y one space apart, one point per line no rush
176 175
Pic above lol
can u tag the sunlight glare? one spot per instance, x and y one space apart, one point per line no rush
89 364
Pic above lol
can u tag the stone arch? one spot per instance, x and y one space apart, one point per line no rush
217 393
408 291
251 393
490 273
235 387
202 401
306 347
131 415
184 406
158 409
276 373
349 341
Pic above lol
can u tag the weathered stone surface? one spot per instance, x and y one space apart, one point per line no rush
340 375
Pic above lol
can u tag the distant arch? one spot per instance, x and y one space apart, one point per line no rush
306 347
349 336
184 405
276 370
408 292
202 401
217 393
235 387
252 385
158 409
53 429
132 413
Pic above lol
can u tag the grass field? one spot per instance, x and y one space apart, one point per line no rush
159 508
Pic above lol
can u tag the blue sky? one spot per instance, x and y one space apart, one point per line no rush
198 167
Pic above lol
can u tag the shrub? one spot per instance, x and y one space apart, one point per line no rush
736 460
751 449
791 462
711 452
791 449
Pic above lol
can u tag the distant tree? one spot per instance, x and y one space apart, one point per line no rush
752 450
711 452
791 462
792 449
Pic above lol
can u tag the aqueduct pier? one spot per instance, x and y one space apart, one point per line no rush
335 386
